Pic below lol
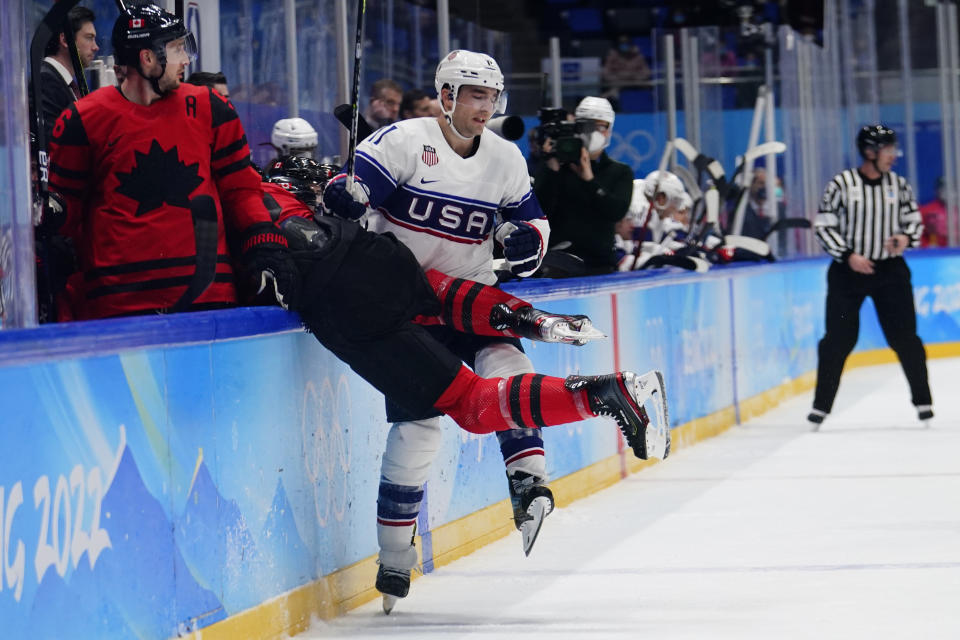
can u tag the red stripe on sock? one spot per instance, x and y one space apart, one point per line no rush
479 311
524 454
526 408
483 305
397 523
477 404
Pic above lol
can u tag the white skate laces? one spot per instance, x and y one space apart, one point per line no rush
576 330
543 326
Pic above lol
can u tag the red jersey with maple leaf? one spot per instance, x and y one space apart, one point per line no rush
150 193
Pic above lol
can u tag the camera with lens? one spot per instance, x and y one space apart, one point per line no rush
568 137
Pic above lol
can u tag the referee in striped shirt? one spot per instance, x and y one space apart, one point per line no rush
867 218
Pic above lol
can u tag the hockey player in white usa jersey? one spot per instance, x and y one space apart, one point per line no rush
447 187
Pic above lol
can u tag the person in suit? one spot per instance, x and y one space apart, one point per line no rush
58 84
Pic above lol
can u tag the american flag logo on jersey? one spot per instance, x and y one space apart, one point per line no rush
429 156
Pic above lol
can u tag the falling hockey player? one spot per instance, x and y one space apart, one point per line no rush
366 321
447 187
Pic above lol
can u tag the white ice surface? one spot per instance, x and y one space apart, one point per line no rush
767 531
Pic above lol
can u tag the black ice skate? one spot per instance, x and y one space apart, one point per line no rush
393 584
542 326
925 414
625 397
815 418
532 502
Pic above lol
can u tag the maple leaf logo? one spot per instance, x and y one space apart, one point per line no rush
159 176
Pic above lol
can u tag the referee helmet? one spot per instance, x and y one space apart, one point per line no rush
875 136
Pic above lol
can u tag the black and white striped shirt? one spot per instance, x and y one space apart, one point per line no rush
857 215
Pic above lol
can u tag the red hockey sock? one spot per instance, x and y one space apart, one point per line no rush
483 405
467 305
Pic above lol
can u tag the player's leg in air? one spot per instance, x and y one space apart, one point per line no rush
467 306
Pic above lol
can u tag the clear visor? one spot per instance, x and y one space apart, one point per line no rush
182 50
477 100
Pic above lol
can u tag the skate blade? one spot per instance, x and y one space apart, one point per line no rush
530 529
657 432
389 602
571 335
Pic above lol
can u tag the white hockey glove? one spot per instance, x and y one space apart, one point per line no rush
345 202
522 247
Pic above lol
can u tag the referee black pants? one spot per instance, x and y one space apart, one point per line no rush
892 294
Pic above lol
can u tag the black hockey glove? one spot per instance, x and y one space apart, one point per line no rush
53 213
347 204
267 262
522 247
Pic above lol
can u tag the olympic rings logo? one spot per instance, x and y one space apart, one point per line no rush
634 149
325 419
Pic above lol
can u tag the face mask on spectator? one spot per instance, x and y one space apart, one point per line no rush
596 142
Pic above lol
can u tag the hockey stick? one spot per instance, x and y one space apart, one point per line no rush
699 232
690 263
703 163
764 149
344 114
664 159
788 223
697 211
355 96
711 213
689 181
746 168
203 210
75 61
747 243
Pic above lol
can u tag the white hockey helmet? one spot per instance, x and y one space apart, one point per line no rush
668 184
594 108
463 67
294 136
686 201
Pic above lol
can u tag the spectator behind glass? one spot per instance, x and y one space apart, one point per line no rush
213 79
415 104
583 200
385 98
58 85
153 178
624 67
935 218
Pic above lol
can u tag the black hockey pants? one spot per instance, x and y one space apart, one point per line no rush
361 291
892 295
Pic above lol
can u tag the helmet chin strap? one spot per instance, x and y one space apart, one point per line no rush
154 82
448 116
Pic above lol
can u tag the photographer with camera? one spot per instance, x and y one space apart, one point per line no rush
582 191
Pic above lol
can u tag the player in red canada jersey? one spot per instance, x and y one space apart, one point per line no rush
156 174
